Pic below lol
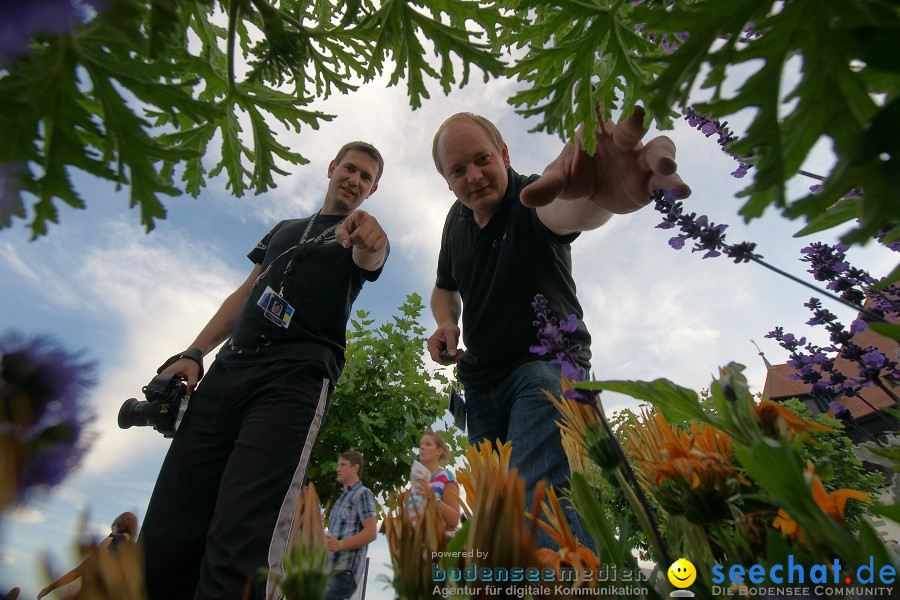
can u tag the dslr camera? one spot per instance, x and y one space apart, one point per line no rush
166 400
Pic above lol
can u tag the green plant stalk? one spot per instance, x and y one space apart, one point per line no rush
701 552
863 310
624 474
234 8
644 518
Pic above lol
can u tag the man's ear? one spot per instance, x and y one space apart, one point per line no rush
372 191
331 168
504 152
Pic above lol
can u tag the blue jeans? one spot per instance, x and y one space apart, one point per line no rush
516 410
341 586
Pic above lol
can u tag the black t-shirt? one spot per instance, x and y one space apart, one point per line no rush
321 289
498 270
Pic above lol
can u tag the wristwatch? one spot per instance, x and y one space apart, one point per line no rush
194 354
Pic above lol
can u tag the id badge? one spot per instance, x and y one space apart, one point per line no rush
275 308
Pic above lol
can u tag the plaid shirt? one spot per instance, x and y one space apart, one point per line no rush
353 506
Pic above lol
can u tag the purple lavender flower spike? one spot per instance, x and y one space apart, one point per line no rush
19 21
741 170
43 416
552 336
841 412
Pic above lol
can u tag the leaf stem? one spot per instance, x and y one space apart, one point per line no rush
234 9
811 175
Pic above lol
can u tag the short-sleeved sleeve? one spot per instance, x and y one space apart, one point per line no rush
258 254
366 504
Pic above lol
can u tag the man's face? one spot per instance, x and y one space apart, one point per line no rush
350 182
474 167
345 471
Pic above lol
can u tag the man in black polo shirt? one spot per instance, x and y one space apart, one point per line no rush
225 498
505 240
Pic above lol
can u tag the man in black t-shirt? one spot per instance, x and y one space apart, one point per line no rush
224 501
505 240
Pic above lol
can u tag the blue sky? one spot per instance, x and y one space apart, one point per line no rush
128 299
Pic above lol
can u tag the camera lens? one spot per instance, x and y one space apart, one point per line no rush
126 414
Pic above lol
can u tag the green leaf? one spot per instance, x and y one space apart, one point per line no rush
843 211
891 511
890 330
677 404
595 521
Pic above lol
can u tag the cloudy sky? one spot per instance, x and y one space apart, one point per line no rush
128 299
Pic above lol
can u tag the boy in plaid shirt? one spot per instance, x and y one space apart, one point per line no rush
351 527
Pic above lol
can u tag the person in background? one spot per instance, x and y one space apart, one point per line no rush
124 530
434 453
351 528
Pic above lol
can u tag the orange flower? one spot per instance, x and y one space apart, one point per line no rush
582 432
776 417
689 473
832 503
570 552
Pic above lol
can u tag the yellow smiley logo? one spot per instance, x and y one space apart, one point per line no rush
682 573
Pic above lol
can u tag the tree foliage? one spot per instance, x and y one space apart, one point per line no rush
382 403
143 87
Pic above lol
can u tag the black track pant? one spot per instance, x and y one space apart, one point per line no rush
224 501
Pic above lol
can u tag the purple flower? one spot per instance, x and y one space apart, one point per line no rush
741 170
19 21
874 359
841 412
708 237
815 188
882 235
42 411
678 242
858 325
751 33
552 335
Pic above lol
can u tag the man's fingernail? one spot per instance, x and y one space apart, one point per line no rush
345 243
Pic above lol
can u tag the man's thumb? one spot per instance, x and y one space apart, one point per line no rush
541 192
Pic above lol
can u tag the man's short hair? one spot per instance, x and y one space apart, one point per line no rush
489 127
364 147
354 458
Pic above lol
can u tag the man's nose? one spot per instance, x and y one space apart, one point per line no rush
474 174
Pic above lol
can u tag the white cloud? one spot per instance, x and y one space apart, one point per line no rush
25 514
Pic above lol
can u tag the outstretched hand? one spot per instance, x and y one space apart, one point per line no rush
369 241
619 177
361 230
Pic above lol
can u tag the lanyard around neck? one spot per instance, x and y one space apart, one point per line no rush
303 249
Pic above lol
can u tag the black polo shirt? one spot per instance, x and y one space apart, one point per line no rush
498 270
321 290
